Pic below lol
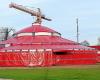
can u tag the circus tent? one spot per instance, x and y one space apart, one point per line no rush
38 45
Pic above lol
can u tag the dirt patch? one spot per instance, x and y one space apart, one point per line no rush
5 79
78 66
67 66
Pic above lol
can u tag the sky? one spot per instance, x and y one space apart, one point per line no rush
63 14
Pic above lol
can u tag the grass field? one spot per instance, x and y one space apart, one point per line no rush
55 73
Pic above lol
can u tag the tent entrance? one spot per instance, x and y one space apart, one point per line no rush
60 53
61 57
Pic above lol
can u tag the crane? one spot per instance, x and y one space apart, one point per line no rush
39 15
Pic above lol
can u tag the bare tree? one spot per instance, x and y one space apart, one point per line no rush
98 41
6 33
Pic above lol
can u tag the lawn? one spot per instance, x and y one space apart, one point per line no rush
59 73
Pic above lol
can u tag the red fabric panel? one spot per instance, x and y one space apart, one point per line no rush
76 57
26 58
47 58
98 58
15 59
1 59
97 47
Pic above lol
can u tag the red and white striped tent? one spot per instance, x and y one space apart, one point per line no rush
38 45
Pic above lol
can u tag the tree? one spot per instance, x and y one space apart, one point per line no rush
6 33
85 43
98 41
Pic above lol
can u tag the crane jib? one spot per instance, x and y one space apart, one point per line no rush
30 11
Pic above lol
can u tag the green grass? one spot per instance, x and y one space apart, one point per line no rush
51 74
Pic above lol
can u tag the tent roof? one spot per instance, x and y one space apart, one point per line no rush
55 47
38 39
35 28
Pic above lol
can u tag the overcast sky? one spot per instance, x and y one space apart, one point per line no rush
63 14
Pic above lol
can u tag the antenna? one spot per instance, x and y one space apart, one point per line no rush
39 16
77 30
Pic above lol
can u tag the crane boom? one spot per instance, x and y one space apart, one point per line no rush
27 10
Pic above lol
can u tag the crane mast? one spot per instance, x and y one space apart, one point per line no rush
38 14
